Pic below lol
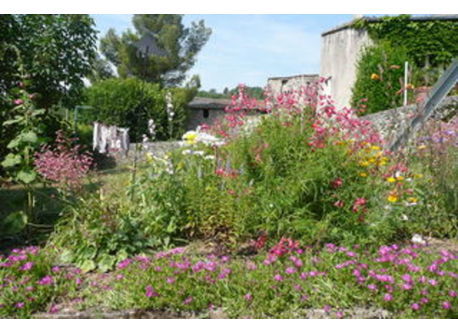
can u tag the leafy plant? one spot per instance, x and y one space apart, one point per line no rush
379 79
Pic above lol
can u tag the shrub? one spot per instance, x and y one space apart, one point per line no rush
132 102
379 78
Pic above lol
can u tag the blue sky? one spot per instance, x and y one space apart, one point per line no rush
250 48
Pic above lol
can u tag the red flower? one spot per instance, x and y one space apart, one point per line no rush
336 183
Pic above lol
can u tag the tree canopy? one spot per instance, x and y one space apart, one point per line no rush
176 48
57 52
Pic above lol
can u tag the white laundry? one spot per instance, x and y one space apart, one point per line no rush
110 138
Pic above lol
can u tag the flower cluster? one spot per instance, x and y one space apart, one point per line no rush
63 164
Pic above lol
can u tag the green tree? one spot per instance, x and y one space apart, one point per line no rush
57 53
101 70
167 61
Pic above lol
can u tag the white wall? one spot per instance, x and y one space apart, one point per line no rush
340 51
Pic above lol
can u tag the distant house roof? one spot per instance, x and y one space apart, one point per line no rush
199 103
293 77
148 45
209 103
452 17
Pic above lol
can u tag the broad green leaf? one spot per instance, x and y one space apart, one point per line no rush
14 143
26 176
87 265
13 121
38 112
29 137
66 256
13 223
106 262
11 160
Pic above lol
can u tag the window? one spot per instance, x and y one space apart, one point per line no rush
205 113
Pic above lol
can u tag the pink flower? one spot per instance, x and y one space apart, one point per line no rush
406 286
46 280
18 101
446 305
372 287
170 280
415 306
388 297
248 297
336 183
19 305
432 282
290 270
339 203
27 266
424 300
188 300
278 277
407 278
452 293
150 292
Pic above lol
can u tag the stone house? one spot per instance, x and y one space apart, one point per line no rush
207 111
278 85
341 48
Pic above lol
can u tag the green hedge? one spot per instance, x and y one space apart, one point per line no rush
379 78
132 102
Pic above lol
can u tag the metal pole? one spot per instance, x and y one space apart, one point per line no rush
406 69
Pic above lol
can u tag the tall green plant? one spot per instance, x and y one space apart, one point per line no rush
28 127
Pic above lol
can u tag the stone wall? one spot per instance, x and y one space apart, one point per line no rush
197 117
158 149
340 52
390 123
280 85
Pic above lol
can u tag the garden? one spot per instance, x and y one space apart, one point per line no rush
302 213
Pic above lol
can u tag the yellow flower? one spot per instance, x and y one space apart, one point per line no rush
364 163
149 157
399 178
410 86
421 147
363 174
412 199
390 180
375 148
190 137
392 198
375 76
418 175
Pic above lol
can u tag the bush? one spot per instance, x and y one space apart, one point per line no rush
379 78
132 102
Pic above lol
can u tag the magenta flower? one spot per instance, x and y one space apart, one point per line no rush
170 280
18 101
452 293
290 270
248 297
388 297
19 305
278 277
27 266
150 292
406 286
432 282
188 300
415 306
46 280
446 305
407 278
372 287
424 300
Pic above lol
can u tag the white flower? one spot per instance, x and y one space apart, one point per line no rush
209 157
